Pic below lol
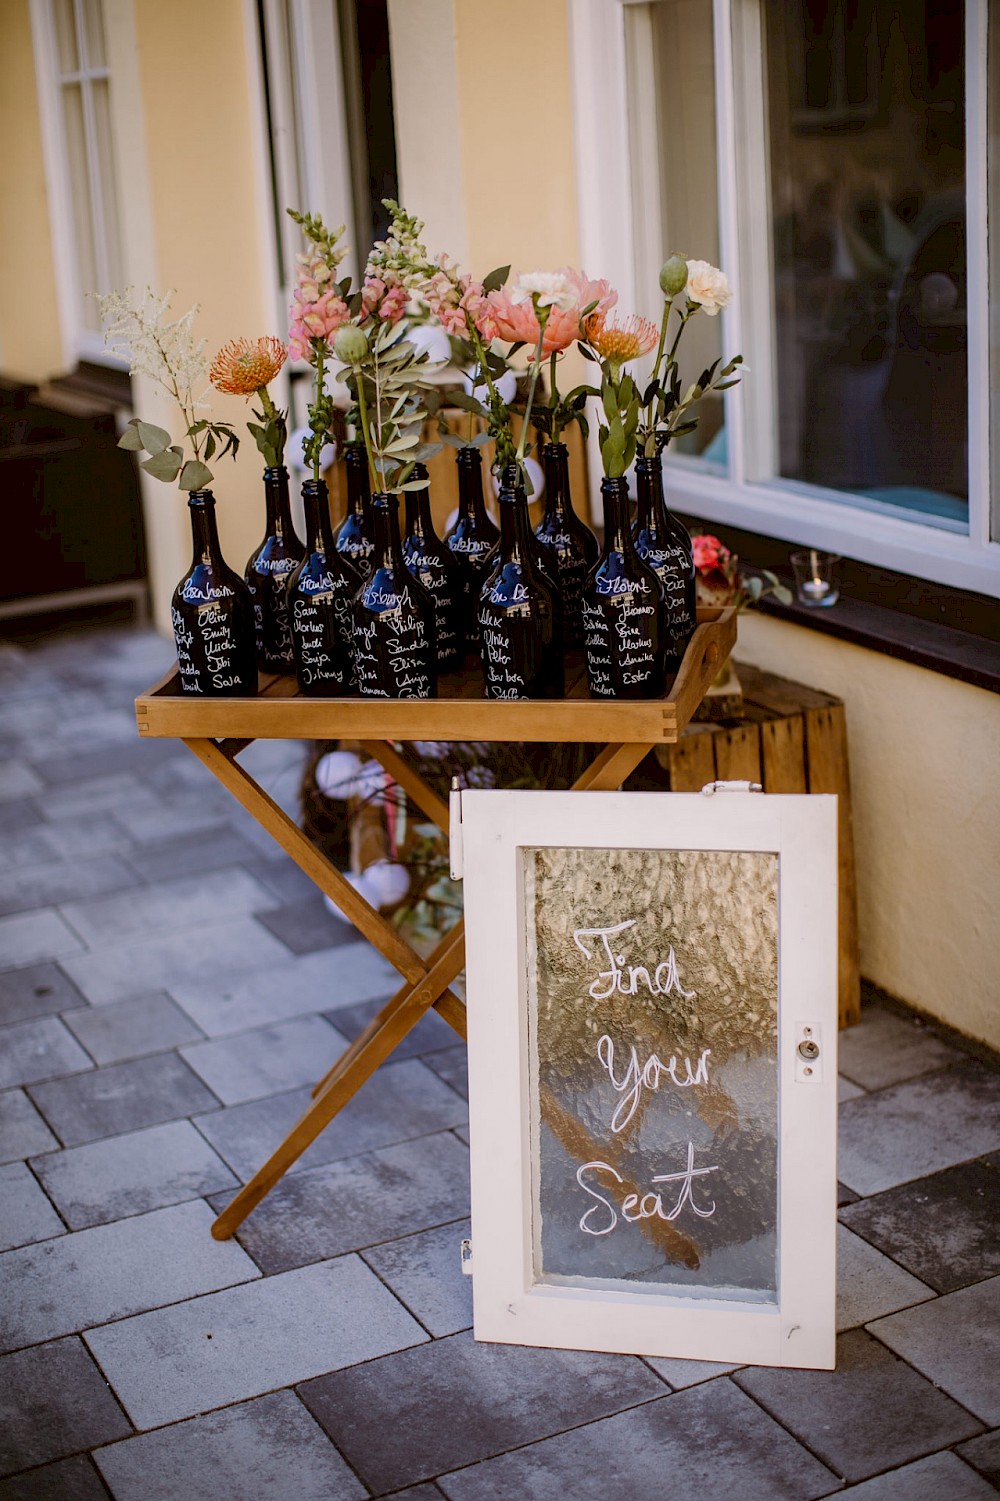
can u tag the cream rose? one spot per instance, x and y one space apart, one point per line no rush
707 285
552 288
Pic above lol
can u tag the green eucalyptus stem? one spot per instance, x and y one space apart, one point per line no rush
542 315
554 397
320 348
659 356
359 381
481 357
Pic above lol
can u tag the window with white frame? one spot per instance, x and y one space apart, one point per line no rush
832 156
76 91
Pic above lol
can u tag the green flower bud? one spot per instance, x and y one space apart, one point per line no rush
673 276
351 344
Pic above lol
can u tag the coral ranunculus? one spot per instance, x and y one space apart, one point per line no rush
517 322
244 365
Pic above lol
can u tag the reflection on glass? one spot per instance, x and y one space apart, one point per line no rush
671 78
866 106
652 1007
79 178
112 272
65 28
93 30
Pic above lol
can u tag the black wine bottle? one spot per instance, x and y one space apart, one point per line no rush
267 574
473 537
520 621
394 645
432 565
624 613
320 593
212 615
665 545
355 537
570 545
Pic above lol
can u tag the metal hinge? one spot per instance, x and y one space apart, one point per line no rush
455 851
710 788
466 1254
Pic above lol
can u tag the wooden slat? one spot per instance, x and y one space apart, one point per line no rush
783 752
410 780
609 769
827 767
737 754
779 695
691 761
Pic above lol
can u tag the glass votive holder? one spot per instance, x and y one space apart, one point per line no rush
817 579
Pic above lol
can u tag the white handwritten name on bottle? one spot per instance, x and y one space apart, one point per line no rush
629 1076
616 634
397 640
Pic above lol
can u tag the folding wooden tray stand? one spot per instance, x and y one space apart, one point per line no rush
218 729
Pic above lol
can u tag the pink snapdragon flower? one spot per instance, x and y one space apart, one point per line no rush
317 318
387 303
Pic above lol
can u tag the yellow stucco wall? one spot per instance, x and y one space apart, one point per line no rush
30 340
923 752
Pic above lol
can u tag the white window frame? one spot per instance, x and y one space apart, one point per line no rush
510 1305
748 495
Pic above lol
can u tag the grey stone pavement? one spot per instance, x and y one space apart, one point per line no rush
170 986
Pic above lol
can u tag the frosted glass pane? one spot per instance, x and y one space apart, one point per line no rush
652 1007
65 29
110 275
79 182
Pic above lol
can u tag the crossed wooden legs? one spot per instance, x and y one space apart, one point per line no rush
426 981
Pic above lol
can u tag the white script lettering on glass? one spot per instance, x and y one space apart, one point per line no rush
599 1220
624 979
634 1079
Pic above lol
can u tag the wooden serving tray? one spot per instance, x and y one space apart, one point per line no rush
461 712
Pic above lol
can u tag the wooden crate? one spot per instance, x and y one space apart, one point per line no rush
791 739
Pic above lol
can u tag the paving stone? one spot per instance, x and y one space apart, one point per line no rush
870 1414
351 1205
28 937
306 926
269 1060
425 1273
89 834
845 1195
27 1213
201 814
847 1091
181 904
495 1397
90 1276
38 990
90 795
67 1480
282 876
121 1097
40 1049
942 1228
32 847
869 1284
53 883
427 1492
452 1065
189 857
16 817
919 1127
22 1130
17 780
199 956
135 755
53 1401
984 1454
885 1049
284 988
272 1439
940 1477
400 1102
431 1034
131 1029
211 1351
131 1174
684 1373
711 1442
955 1341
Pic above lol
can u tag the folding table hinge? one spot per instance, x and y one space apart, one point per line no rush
466 1254
710 788
455 851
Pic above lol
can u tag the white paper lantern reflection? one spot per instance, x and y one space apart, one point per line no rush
294 451
382 884
506 387
430 339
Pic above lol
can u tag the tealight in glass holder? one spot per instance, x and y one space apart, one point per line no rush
817 580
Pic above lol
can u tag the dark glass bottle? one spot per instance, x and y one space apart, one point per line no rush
430 562
355 537
394 646
320 592
212 615
665 545
520 621
570 545
267 574
624 613
473 537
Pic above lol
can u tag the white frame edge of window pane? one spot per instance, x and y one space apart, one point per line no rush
509 1307
745 496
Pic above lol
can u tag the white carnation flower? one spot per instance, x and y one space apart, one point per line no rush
552 288
707 285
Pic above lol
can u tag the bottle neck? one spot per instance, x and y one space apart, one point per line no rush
617 530
515 525
385 513
651 511
316 503
204 532
471 505
555 461
279 515
358 487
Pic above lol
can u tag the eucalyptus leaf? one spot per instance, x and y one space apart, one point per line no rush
130 439
195 475
154 439
163 465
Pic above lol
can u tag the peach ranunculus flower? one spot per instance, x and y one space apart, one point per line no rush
620 342
708 286
243 366
511 314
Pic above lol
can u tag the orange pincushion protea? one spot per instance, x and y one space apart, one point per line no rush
245 365
622 341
